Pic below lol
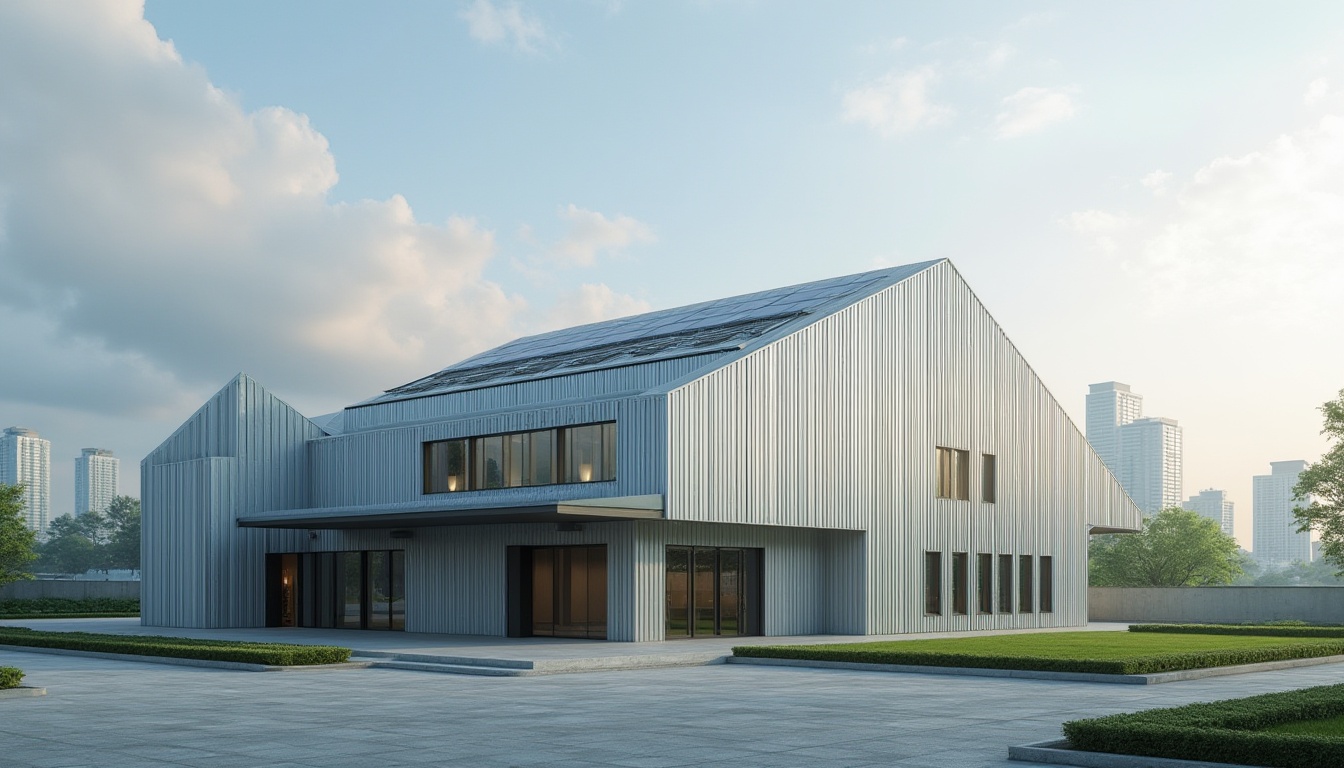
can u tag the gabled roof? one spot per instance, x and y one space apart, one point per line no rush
721 325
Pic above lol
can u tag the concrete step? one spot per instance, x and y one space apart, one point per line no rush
451 669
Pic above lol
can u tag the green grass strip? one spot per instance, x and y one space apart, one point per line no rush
1262 630
1231 731
272 654
1107 653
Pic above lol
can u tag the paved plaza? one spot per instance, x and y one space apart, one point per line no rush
117 713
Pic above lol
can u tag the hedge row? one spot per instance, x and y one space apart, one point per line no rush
21 616
1266 630
275 654
1223 731
1136 665
10 677
55 605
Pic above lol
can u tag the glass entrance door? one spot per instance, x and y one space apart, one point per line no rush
340 590
712 591
566 591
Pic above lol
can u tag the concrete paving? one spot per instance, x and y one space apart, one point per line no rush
111 713
544 654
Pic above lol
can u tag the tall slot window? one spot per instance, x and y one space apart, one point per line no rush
961 586
954 474
933 583
984 582
1025 587
1047 584
988 492
1005 583
446 466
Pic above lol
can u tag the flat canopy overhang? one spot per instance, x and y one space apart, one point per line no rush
423 515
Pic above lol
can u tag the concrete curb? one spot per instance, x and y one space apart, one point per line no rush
1058 752
1026 674
22 692
235 665
477 665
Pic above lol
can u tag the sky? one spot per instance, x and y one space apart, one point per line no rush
337 198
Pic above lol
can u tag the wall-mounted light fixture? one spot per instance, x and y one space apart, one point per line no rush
569 527
402 534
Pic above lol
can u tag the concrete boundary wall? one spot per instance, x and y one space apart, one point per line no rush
70 589
1216 605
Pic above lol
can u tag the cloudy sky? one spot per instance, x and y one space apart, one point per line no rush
338 198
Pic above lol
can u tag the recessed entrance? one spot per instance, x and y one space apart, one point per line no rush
341 590
713 591
558 592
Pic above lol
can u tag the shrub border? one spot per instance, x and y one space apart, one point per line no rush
270 654
10 677
1136 665
1263 630
1222 731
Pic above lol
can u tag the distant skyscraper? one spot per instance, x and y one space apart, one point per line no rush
26 458
1110 405
1213 504
1277 542
1144 454
1150 463
95 480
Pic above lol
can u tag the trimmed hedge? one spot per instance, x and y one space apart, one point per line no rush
274 654
13 609
1264 630
1223 731
10 677
25 616
1135 665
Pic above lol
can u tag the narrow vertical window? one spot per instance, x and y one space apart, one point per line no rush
488 453
987 479
1005 583
933 583
1025 588
984 582
446 466
954 474
961 583
1047 584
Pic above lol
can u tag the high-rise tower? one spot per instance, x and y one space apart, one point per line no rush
1213 504
1277 541
1110 405
26 458
1144 454
96 472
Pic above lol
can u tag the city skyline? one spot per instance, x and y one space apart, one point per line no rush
1150 193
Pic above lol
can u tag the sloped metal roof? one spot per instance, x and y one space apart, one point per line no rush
698 329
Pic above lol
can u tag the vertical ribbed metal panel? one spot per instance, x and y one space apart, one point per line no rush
834 427
242 453
457 578
385 465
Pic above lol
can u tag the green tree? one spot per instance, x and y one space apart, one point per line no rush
1322 485
16 538
1176 548
123 516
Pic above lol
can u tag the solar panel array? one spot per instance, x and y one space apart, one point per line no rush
696 329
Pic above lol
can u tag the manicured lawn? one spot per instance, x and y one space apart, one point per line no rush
1330 726
1098 652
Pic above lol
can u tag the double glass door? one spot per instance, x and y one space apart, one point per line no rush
340 590
566 591
713 591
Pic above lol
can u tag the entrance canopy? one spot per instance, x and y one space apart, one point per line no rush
423 514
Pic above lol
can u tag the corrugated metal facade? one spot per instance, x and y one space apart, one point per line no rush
817 447
836 426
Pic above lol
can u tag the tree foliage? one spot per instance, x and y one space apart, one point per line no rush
1176 548
97 541
16 538
1322 485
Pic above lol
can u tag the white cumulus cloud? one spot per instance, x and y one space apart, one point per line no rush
159 238
590 234
505 23
897 103
1317 91
1156 182
1031 109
